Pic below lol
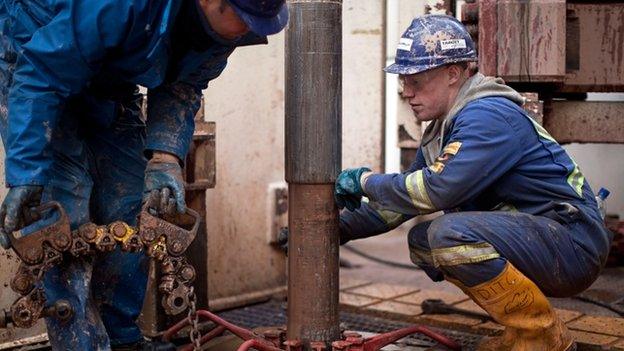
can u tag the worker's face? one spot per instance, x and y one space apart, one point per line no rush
431 93
223 20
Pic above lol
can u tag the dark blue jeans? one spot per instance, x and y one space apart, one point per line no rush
474 247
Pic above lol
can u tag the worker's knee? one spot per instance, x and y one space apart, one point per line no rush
420 252
417 236
448 231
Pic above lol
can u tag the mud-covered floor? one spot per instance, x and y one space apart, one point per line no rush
393 247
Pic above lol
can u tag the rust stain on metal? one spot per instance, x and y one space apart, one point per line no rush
37 339
600 48
313 262
487 37
531 40
201 169
586 122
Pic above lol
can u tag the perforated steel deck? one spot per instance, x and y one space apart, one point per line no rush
273 313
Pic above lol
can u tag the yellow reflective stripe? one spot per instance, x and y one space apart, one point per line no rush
419 257
389 217
541 131
437 167
576 179
415 184
452 148
449 150
463 254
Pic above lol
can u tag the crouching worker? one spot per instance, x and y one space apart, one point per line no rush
520 223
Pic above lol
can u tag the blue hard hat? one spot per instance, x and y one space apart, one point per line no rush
264 17
432 41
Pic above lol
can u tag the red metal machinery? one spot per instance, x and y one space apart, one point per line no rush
560 50
276 339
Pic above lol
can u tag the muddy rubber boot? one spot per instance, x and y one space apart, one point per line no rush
515 302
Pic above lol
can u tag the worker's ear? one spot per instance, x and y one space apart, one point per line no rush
455 73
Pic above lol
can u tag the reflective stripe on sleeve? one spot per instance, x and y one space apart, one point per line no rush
575 180
390 218
415 184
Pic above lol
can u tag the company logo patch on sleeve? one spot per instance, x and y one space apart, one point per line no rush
405 44
449 150
449 44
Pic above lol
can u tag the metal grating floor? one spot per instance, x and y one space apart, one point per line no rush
273 313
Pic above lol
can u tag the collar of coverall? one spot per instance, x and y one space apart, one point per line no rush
476 87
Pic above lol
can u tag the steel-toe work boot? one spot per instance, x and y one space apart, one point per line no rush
515 302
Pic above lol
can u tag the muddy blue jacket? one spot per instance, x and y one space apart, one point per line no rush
93 54
495 158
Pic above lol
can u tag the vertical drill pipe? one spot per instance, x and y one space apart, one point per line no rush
313 160
312 264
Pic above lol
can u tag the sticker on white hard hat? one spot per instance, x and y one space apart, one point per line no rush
449 44
405 44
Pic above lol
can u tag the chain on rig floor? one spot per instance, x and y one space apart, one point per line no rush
273 313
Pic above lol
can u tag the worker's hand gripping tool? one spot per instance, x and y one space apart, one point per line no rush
39 251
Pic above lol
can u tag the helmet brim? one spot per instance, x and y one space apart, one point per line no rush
403 69
396 68
264 25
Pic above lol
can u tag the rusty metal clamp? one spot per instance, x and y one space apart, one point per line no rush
165 239
31 248
126 235
168 231
28 309
61 310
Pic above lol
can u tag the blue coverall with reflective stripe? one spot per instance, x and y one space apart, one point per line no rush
70 121
510 193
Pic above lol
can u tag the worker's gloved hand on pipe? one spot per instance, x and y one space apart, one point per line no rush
164 185
17 210
348 191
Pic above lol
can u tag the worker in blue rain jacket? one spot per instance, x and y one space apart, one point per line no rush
71 124
521 222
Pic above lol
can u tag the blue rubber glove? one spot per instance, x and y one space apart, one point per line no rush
348 191
164 185
15 212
